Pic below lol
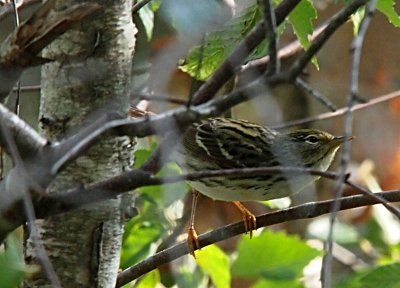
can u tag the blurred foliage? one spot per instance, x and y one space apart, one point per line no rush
13 269
146 13
141 233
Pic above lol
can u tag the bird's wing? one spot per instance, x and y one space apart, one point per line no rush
231 143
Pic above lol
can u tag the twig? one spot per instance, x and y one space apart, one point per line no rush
304 211
286 52
334 23
345 156
24 187
161 155
310 90
162 98
272 36
7 9
339 112
139 5
32 88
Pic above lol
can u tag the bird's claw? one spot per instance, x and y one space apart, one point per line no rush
250 223
193 242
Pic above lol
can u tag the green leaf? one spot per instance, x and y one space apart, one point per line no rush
12 266
188 278
143 231
352 280
162 195
142 155
374 234
147 16
264 283
301 20
280 203
146 13
356 19
279 257
387 276
213 261
150 280
219 44
387 7
138 240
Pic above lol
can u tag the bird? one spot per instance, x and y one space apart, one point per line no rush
225 143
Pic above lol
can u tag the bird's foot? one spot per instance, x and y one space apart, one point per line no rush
193 242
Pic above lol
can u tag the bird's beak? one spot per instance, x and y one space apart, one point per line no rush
337 141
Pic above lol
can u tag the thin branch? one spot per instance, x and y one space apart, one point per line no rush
340 112
27 184
64 201
161 155
310 90
345 156
334 23
139 5
304 211
162 98
272 36
8 9
283 53
28 141
243 49
33 88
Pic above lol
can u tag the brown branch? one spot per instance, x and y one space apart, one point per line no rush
65 201
272 36
340 112
326 270
283 53
304 211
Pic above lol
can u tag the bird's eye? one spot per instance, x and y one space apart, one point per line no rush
312 139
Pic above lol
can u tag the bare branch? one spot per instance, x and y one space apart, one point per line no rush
28 141
272 36
27 184
64 201
310 90
345 156
139 5
341 111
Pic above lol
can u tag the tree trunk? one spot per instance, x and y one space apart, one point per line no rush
91 73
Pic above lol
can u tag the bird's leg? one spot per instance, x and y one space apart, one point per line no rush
248 218
193 240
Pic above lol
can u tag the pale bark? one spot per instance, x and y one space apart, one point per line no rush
92 70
